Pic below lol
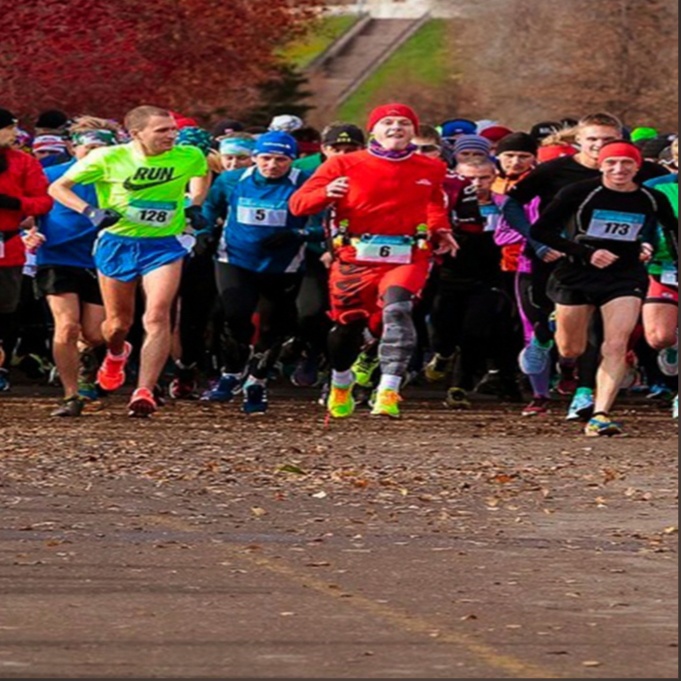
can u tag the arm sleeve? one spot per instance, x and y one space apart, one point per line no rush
669 224
89 169
215 205
35 200
311 198
438 217
551 224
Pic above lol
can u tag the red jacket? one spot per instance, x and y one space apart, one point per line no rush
385 197
25 180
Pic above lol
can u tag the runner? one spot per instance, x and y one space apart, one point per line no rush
23 192
611 227
141 193
262 260
544 182
390 208
67 278
661 308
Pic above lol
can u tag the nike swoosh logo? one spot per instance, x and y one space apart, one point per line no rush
133 187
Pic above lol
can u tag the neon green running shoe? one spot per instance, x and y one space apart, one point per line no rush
363 368
341 403
387 403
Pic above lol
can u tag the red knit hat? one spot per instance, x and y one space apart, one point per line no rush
387 110
495 132
620 150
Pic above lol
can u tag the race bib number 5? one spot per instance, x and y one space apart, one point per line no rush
152 213
615 226
387 250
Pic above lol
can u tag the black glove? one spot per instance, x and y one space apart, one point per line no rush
283 239
10 202
101 218
196 218
206 243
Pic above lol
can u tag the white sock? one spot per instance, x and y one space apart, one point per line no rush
124 355
251 380
389 382
342 378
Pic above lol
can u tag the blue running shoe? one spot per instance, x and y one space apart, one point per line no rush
601 426
660 392
255 399
225 389
534 359
582 406
4 381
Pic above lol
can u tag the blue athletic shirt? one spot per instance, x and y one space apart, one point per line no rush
255 208
70 236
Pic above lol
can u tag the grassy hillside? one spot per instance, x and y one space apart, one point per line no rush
423 61
320 36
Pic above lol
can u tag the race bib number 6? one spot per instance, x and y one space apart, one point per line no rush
388 250
615 226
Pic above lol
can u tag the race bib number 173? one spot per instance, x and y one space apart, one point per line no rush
613 225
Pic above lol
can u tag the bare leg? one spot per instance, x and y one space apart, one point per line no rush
160 288
66 312
619 320
660 321
572 329
91 322
119 304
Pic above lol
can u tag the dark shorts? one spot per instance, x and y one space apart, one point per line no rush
57 280
578 286
10 288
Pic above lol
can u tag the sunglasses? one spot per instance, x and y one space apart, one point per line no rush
427 148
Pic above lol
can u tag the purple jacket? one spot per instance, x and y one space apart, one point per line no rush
505 235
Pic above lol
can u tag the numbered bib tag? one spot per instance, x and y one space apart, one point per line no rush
255 214
491 214
613 225
670 276
152 213
387 250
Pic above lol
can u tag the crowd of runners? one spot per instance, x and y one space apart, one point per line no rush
204 264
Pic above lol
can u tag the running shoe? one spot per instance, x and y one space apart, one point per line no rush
306 373
582 406
661 392
255 399
364 367
142 404
70 407
88 391
668 360
341 403
534 359
387 403
184 385
33 366
111 375
600 425
438 368
457 399
675 408
4 381
538 407
224 390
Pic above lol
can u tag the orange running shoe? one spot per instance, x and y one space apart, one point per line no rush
142 404
111 375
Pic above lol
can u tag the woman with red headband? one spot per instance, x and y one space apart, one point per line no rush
608 230
390 217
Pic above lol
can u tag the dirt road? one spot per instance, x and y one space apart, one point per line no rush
203 544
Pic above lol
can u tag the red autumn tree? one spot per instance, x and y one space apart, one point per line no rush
100 57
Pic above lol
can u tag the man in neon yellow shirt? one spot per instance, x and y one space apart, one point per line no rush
141 195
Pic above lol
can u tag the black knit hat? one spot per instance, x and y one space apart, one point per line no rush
52 119
517 141
7 118
545 128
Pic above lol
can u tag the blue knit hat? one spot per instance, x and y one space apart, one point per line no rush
472 143
276 142
458 126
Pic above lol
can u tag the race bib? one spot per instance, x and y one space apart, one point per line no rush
613 225
386 250
259 215
152 213
670 276
491 214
